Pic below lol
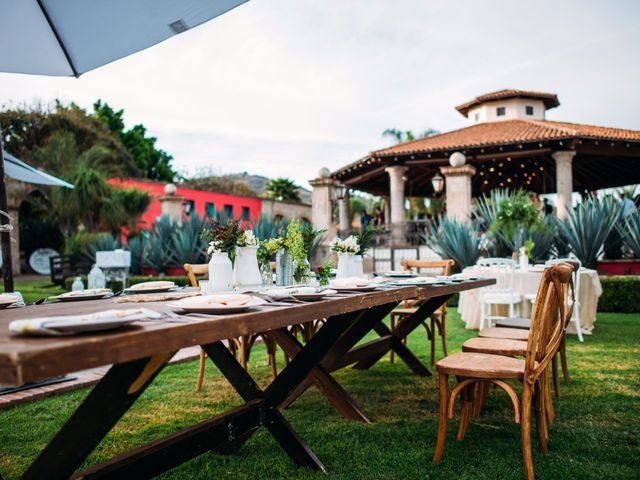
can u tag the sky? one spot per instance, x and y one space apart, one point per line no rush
285 87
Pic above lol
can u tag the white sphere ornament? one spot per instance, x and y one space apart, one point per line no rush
170 189
324 173
457 159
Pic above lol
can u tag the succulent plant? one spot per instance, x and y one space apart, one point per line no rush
458 241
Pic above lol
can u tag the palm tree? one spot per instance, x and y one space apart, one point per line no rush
282 189
408 136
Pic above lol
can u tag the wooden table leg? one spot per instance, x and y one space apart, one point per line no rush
402 330
94 418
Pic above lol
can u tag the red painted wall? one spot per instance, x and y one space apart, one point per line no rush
199 198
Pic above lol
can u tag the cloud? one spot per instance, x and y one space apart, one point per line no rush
284 87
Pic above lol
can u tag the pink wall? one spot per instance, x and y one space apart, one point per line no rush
199 198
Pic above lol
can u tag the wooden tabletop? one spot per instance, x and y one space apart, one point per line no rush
29 359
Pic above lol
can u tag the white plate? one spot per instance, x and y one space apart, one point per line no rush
189 305
416 281
313 297
94 326
399 274
366 288
65 297
151 287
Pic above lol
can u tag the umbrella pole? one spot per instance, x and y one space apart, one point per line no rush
5 236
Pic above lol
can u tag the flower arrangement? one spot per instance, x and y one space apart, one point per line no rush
247 239
348 245
223 237
323 273
296 240
527 248
365 238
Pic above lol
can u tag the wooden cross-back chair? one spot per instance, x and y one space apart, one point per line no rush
438 318
240 346
551 315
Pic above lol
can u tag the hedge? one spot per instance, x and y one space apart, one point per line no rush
181 281
620 293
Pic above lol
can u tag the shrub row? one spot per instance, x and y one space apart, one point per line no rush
620 294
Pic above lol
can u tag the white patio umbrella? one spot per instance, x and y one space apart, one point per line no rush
18 170
71 37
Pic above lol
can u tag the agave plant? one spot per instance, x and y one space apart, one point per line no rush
136 246
587 227
455 240
157 253
629 230
486 212
266 228
187 247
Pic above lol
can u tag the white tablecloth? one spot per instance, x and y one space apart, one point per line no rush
526 282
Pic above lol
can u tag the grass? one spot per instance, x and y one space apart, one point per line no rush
33 290
595 435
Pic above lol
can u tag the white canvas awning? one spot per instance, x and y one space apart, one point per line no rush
18 170
71 37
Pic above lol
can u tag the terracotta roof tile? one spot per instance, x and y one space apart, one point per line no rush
507 132
550 99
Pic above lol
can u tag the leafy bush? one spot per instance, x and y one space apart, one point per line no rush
620 294
455 240
587 227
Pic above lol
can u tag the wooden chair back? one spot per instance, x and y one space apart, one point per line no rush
551 315
445 267
193 270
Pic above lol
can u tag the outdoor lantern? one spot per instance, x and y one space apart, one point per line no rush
438 183
341 191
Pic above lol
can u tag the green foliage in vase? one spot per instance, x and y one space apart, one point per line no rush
366 238
223 236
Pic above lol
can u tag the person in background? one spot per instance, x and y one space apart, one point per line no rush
627 205
547 208
378 219
365 218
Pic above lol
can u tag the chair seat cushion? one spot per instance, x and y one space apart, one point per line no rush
501 298
515 322
481 365
496 346
510 333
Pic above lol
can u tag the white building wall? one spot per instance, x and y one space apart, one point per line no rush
515 108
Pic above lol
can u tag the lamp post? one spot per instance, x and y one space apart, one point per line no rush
438 184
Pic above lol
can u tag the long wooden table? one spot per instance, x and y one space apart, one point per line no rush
138 353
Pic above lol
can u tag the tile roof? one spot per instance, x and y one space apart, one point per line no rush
508 132
550 99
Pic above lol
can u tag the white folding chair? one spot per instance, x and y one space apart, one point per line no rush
502 293
575 316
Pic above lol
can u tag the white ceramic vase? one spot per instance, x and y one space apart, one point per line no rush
344 265
246 272
524 262
356 269
220 272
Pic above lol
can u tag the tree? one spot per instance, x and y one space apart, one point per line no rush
66 131
154 163
221 184
282 189
408 136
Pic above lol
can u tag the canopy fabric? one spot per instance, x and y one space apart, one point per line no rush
71 37
18 170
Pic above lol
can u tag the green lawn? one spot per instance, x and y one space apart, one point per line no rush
33 290
595 435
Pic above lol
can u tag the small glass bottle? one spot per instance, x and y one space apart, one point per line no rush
77 285
267 275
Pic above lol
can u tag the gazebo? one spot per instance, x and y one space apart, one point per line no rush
509 143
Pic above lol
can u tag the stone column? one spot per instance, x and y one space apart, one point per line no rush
387 210
458 186
322 202
345 216
396 184
564 181
171 205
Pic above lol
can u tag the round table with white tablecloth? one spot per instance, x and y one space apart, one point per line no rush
526 282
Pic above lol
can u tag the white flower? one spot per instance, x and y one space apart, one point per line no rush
349 245
248 239
213 247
